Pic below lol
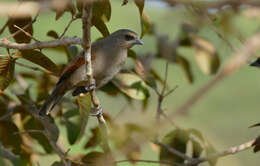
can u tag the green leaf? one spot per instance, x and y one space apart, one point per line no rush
101 14
178 140
32 124
53 34
140 5
210 150
95 139
131 85
146 25
196 133
206 56
255 125
72 122
21 23
184 63
99 159
102 10
70 8
57 163
7 66
7 137
256 144
110 89
196 149
40 59
84 103
101 26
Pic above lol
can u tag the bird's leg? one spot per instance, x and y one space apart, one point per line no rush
96 111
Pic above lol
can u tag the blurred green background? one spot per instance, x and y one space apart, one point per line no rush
222 115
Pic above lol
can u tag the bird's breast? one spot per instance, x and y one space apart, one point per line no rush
107 64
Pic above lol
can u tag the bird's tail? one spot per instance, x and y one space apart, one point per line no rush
53 99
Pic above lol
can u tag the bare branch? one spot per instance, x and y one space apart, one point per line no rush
151 161
68 25
229 151
40 45
86 44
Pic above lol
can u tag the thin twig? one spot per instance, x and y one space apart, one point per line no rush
33 68
173 151
22 28
68 25
161 96
229 151
150 161
26 33
3 28
29 131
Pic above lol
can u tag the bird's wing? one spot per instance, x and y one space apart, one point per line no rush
72 66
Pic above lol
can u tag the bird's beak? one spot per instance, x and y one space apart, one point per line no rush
139 41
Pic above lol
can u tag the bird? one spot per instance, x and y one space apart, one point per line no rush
108 56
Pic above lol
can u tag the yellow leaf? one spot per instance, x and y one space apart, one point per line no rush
206 56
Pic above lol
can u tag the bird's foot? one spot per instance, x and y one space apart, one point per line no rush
96 111
91 87
83 89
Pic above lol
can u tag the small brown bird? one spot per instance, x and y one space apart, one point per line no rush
107 55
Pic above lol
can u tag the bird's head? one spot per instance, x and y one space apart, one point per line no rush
126 38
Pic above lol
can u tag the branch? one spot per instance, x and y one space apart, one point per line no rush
47 127
68 25
150 161
173 151
229 151
40 45
86 44
235 62
161 96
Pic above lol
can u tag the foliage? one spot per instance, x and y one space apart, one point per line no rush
22 131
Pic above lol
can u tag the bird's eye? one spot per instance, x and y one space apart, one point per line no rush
129 37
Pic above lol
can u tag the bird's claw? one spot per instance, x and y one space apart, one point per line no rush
96 111
84 89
